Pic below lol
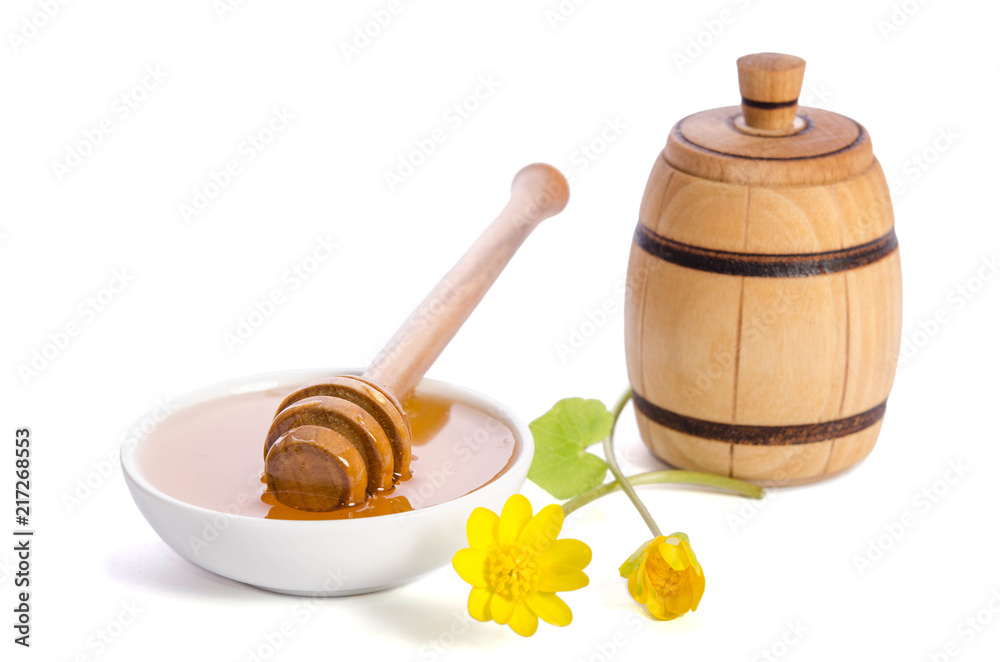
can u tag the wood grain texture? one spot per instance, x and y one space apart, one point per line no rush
766 351
383 408
864 206
346 419
845 452
690 342
366 411
317 469
793 351
769 85
825 133
874 317
708 145
697 211
538 192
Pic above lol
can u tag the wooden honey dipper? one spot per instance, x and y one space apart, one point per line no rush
336 441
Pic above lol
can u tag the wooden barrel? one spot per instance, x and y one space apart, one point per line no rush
763 307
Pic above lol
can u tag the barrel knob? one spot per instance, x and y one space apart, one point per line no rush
770 84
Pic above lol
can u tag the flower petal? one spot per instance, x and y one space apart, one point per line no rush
673 554
479 604
556 577
686 548
679 601
523 621
470 564
640 581
633 587
697 586
501 608
658 611
542 530
632 563
550 608
567 552
481 529
516 513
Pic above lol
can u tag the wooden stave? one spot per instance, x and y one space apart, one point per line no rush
774 465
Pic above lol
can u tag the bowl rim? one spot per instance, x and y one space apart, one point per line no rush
277 379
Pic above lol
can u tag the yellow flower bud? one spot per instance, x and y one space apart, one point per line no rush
665 575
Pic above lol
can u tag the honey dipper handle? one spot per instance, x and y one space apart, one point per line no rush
537 192
770 84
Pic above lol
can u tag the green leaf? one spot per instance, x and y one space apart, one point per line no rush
562 466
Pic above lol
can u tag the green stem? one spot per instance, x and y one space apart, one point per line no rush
609 457
671 476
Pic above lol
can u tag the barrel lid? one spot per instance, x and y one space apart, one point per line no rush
769 140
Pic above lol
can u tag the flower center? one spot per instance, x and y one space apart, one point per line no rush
512 570
663 578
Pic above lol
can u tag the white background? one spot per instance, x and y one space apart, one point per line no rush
792 559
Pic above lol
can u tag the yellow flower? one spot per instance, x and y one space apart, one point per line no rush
664 575
515 565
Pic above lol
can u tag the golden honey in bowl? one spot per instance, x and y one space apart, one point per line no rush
208 455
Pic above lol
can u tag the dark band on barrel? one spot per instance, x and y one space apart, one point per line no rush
764 265
769 105
760 435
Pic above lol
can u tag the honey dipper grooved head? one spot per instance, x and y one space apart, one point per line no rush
354 415
316 469
363 411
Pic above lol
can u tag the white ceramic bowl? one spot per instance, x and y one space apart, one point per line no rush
326 557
